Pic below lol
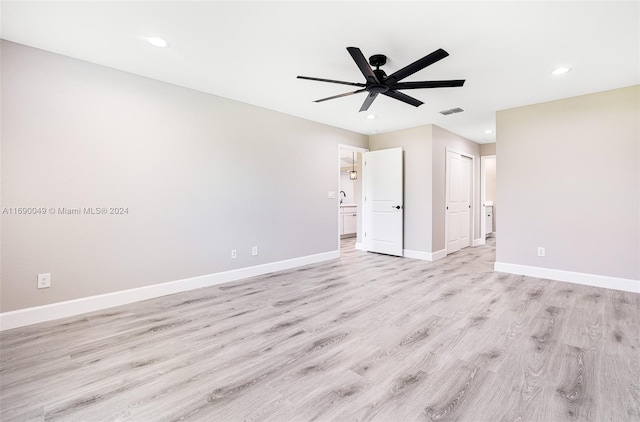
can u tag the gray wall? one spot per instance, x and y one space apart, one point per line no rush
568 180
199 174
443 139
488 149
424 181
490 187
490 174
490 179
416 144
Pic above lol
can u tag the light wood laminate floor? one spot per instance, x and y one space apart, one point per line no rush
365 337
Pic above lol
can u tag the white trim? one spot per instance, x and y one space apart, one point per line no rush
34 315
479 242
352 148
606 282
359 246
425 256
442 253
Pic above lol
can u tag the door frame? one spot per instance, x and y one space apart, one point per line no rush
360 218
472 228
483 197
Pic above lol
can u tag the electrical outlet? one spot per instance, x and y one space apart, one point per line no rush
44 281
254 251
234 253
541 251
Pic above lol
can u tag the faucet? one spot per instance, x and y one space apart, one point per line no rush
342 196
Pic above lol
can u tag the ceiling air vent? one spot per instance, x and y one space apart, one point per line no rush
452 111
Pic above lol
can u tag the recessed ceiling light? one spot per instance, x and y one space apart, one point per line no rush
560 70
158 42
488 132
371 116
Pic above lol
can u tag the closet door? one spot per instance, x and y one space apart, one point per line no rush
458 182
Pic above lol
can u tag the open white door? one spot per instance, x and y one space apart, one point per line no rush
383 201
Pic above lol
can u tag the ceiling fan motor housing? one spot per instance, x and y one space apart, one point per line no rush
380 74
377 88
378 60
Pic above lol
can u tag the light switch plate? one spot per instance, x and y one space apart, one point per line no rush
332 195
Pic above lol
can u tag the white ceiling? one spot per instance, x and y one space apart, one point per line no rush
252 51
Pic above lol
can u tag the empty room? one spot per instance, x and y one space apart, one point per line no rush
320 211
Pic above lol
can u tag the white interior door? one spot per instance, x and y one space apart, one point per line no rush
458 201
383 201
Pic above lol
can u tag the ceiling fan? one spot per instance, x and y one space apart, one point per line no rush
379 83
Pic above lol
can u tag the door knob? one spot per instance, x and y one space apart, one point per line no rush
396 207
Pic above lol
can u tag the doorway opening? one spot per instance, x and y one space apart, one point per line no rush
350 176
488 197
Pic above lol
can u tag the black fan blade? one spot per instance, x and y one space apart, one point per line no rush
330 80
363 64
367 102
346 94
403 97
409 70
428 84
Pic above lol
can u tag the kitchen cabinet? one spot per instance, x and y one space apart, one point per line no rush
489 217
350 223
348 220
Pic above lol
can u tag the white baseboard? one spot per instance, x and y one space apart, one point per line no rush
606 282
408 253
479 241
34 315
425 256
359 246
